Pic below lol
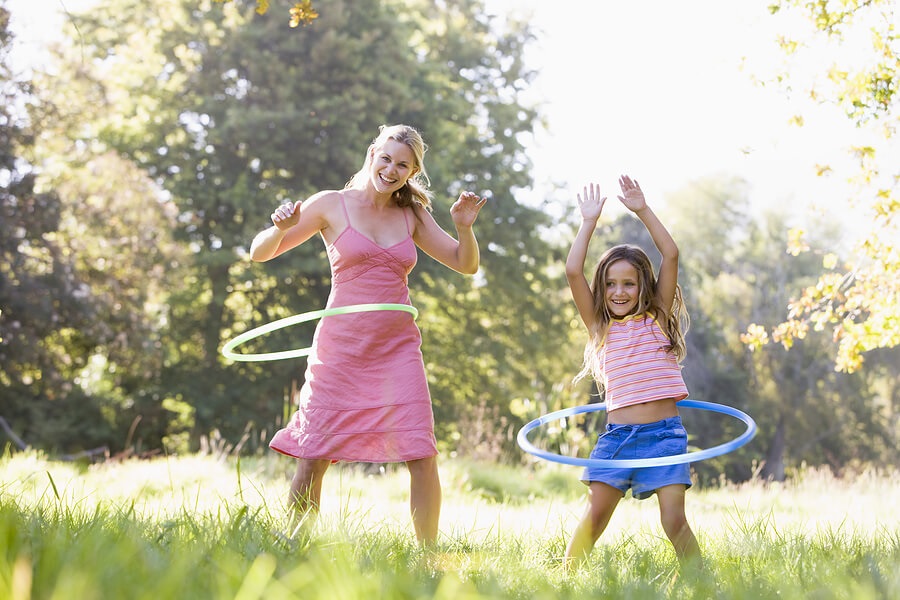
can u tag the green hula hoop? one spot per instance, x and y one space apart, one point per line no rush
228 348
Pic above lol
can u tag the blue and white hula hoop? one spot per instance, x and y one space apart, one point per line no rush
675 459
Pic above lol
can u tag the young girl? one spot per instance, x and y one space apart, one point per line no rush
365 396
636 324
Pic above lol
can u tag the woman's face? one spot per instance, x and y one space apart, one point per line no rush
622 288
392 164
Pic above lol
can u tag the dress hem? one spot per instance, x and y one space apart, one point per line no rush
355 459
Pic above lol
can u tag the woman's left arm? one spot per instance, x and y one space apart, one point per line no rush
461 255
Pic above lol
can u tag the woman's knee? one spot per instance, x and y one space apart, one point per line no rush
309 470
423 466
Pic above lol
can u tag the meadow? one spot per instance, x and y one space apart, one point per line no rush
212 526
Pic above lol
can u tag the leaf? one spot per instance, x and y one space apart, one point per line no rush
303 12
796 244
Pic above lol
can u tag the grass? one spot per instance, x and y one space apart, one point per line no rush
201 527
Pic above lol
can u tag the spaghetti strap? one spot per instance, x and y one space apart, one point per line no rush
344 206
406 220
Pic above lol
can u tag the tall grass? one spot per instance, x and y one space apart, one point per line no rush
198 527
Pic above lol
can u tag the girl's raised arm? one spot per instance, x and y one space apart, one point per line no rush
590 208
667 280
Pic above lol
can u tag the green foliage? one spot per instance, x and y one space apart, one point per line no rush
736 273
167 132
852 49
230 113
49 324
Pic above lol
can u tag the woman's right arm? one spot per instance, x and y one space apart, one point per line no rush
590 209
293 224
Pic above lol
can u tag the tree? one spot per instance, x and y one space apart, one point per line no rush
734 272
854 47
231 113
53 319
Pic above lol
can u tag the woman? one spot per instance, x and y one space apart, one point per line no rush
365 396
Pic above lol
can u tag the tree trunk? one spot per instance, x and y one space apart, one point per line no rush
218 282
773 469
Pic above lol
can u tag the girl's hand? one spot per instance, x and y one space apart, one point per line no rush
633 196
465 209
287 215
592 204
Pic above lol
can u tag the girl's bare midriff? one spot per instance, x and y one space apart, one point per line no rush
648 412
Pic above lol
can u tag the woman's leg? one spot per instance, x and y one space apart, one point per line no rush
425 498
306 489
603 501
674 522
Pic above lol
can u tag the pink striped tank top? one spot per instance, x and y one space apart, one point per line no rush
635 363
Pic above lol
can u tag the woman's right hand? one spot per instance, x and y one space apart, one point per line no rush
287 215
592 203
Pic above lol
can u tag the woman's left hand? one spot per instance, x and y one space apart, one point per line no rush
465 209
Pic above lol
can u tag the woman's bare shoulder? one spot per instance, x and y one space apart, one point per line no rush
324 198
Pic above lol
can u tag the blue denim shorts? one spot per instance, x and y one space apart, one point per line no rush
647 440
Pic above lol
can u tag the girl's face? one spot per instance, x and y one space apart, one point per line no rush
622 288
392 164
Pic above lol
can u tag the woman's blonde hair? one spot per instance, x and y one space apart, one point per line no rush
416 191
674 321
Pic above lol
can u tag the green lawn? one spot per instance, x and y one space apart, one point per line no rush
201 527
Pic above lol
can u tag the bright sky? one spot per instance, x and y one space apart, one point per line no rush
664 91
660 90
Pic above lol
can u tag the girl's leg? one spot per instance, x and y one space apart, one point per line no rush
674 522
603 501
425 498
306 489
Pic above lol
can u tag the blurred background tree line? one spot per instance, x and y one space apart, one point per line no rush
135 172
